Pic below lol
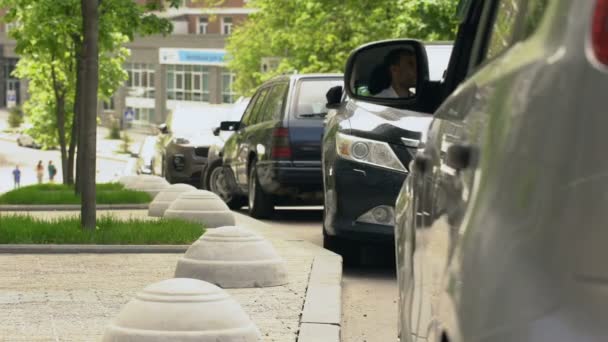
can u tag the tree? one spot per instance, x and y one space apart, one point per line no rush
318 35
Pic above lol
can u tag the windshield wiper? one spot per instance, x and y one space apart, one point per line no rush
313 115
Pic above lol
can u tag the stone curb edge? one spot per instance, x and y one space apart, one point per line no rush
322 312
101 249
69 207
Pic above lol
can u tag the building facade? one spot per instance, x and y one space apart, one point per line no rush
186 66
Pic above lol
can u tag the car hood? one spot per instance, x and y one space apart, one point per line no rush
387 124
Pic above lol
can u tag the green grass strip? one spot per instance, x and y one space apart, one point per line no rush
107 193
23 229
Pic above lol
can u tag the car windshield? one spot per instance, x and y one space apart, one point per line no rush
311 99
439 58
196 120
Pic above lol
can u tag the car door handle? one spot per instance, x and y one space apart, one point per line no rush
461 156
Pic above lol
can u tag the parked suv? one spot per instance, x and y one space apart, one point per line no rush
274 157
500 229
370 146
185 140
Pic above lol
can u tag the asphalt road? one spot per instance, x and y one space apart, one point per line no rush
369 293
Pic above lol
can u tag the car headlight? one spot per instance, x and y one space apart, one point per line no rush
181 141
367 151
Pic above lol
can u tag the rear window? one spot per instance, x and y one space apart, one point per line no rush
310 100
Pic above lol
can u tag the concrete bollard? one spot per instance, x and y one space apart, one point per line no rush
150 184
233 257
163 200
201 206
182 310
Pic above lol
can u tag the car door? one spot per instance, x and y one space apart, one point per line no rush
245 138
457 138
232 145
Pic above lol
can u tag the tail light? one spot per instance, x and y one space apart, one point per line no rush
599 35
281 148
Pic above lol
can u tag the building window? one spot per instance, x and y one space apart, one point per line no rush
143 116
203 24
227 25
141 80
188 83
228 94
109 105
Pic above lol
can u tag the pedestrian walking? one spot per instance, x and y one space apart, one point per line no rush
52 171
39 172
17 176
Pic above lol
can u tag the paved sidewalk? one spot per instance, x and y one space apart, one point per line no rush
73 297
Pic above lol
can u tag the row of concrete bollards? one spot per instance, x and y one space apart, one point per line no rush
191 307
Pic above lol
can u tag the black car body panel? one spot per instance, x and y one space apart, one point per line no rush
352 188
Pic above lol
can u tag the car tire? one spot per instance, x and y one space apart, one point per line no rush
209 182
19 142
261 204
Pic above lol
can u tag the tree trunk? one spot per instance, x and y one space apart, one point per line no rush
89 124
78 113
60 111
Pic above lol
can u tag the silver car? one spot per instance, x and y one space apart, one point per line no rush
500 229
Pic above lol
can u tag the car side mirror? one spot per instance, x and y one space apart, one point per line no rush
216 131
163 128
334 97
230 126
388 73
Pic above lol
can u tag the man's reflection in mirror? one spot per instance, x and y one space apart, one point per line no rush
396 76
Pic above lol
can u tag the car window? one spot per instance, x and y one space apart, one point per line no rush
311 98
507 20
257 109
534 15
504 28
273 108
247 114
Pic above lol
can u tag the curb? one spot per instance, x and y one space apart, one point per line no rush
322 313
101 249
69 207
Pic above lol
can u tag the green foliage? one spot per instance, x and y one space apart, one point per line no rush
21 229
15 117
108 193
318 35
49 38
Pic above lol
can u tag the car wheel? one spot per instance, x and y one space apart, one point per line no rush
216 182
261 204
19 142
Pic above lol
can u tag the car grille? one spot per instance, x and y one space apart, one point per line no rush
201 151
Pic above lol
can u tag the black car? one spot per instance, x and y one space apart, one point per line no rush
213 177
367 149
274 157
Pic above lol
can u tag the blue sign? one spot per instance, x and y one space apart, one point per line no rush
129 114
194 56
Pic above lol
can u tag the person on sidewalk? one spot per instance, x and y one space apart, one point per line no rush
39 172
17 176
52 171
